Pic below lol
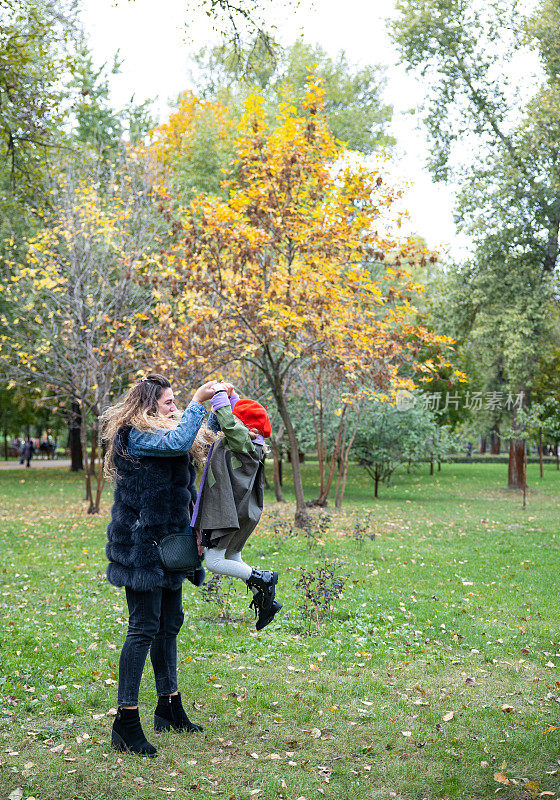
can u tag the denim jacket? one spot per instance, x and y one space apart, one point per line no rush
176 442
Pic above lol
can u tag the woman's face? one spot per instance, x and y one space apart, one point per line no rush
166 403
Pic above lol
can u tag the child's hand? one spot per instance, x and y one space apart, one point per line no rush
221 387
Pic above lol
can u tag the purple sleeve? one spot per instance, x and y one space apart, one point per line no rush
233 399
220 400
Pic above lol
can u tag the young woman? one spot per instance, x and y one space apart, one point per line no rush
148 446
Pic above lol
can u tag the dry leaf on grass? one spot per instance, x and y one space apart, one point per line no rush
532 788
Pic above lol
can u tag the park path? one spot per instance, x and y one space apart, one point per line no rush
36 463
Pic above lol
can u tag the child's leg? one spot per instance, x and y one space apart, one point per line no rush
216 561
235 555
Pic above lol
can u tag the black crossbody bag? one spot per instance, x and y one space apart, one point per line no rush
178 552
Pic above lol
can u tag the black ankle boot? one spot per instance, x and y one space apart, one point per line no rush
263 584
265 617
127 734
170 713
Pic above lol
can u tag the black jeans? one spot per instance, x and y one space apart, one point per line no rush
155 619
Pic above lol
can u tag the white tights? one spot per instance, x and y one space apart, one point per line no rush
224 563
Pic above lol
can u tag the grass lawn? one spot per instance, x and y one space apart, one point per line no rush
438 675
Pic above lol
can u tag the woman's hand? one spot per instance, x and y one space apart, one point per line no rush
205 392
224 385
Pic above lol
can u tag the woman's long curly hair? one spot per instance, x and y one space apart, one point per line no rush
138 408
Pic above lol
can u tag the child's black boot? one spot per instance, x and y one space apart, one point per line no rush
263 585
170 714
127 734
265 618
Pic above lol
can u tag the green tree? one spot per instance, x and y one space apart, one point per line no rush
354 107
196 145
510 204
388 437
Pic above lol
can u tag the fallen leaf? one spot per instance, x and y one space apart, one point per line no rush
17 794
315 733
406 733
507 708
448 716
532 788
484 764
500 778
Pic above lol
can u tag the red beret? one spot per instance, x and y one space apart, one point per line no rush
253 415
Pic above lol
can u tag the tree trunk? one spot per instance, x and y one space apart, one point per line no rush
557 454
431 467
540 451
277 472
517 478
335 459
93 458
496 441
482 445
100 475
87 470
5 445
301 517
338 490
516 464
344 458
319 436
74 438
376 484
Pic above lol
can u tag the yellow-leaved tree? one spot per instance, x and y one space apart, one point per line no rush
289 271
72 306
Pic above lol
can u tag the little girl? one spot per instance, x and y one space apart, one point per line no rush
230 498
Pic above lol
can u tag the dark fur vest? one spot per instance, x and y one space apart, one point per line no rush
153 497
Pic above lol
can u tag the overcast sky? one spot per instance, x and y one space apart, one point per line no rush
155 45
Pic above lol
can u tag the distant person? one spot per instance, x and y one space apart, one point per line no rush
469 449
27 452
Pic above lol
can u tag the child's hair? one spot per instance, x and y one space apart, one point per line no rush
201 445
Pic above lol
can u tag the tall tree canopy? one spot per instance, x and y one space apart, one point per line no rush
288 270
510 203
